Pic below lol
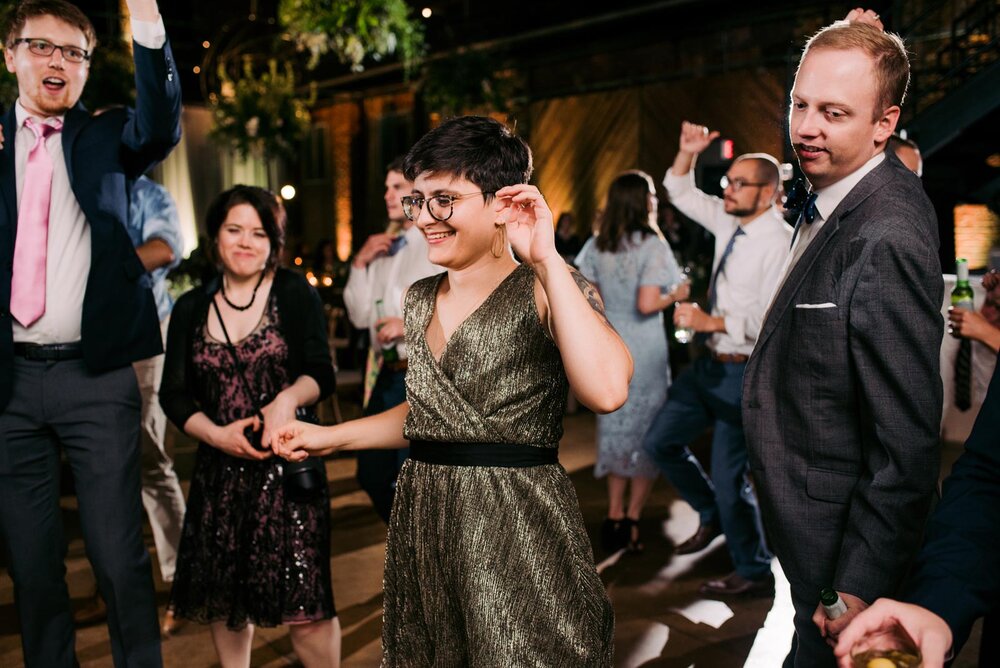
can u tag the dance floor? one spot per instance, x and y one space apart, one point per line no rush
661 619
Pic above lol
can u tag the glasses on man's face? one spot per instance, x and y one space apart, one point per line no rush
737 184
439 206
43 47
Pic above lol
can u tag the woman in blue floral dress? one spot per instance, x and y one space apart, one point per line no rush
638 277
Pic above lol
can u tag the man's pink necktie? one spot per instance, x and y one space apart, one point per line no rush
27 296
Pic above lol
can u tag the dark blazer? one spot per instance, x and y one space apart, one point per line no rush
104 156
957 573
302 324
842 405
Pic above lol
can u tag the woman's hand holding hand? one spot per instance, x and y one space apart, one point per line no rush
297 440
530 229
230 439
280 411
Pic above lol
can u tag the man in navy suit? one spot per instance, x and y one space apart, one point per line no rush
75 311
956 579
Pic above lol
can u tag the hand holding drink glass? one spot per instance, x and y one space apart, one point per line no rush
680 291
892 634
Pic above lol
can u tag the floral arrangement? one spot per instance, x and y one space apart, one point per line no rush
353 30
468 83
260 115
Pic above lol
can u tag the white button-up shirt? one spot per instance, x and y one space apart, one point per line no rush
743 290
387 278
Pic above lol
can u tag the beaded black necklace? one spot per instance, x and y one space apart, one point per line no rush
222 289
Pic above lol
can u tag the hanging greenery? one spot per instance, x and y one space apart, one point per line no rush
261 115
353 30
469 83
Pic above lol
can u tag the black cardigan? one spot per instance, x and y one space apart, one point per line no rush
302 323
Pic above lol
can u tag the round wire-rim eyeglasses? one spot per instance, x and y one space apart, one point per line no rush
412 204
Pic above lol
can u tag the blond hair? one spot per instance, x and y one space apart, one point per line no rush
887 51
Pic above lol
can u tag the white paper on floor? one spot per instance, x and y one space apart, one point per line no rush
774 639
713 613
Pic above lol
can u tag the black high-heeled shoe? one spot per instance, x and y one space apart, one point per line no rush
630 536
611 535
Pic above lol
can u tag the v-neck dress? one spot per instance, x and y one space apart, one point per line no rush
489 566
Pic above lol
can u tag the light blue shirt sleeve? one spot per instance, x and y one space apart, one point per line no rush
153 215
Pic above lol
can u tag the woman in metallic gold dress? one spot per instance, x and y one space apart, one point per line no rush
487 559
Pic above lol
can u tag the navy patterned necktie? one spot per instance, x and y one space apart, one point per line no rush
722 267
397 244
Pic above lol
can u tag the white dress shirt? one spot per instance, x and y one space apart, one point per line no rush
742 291
387 278
67 260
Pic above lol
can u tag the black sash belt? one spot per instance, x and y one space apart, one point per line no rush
482 454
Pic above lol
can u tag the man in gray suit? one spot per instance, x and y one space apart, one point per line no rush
842 394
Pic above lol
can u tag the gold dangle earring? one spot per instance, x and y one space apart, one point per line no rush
496 249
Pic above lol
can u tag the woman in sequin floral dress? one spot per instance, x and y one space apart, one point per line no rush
635 270
250 555
487 559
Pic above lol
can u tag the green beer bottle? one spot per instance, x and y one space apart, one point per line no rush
390 354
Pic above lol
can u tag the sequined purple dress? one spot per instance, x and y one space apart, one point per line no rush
247 554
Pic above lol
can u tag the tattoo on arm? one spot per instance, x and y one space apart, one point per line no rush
593 297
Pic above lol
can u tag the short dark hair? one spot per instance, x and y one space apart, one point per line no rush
60 9
264 202
396 165
476 148
627 211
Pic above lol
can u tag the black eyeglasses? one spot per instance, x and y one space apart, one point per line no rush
439 206
738 184
43 47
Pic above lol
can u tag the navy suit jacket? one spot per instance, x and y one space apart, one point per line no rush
104 155
957 573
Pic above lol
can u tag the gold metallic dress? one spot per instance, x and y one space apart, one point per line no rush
489 566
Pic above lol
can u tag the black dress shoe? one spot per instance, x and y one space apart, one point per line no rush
612 535
705 534
735 584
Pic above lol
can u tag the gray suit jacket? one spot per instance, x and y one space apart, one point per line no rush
842 405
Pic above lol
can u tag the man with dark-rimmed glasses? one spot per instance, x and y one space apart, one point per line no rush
751 242
75 311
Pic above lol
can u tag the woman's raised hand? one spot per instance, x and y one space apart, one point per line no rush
530 229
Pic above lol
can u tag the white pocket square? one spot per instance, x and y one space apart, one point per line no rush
824 305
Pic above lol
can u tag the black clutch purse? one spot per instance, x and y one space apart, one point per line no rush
305 480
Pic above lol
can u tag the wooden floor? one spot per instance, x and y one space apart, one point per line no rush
661 619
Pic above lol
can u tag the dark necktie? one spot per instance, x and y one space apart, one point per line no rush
963 375
397 245
722 267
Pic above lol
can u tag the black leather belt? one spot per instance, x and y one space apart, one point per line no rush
482 454
48 352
